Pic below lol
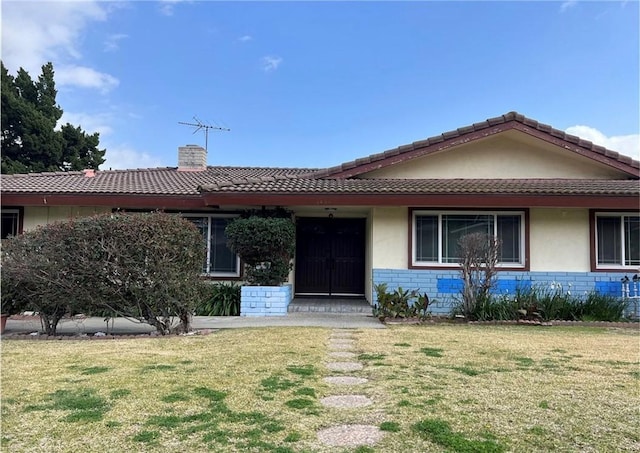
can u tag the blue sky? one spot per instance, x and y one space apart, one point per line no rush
315 84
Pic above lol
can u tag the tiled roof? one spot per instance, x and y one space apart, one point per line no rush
335 180
425 145
278 185
160 181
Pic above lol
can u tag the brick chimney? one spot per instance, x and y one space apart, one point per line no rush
192 158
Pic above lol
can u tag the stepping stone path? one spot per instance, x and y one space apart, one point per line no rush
342 355
342 346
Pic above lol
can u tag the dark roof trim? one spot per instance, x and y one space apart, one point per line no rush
318 199
477 131
112 201
440 200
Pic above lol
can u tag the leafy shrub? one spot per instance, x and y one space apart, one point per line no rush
144 266
223 300
266 245
400 303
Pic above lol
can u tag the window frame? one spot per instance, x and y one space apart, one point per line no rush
593 233
439 212
216 275
20 218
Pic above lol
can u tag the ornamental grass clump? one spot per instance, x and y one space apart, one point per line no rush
545 303
223 299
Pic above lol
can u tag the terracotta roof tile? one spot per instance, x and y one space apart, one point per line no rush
170 181
161 181
436 186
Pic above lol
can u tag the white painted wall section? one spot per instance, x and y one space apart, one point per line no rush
35 216
559 240
390 238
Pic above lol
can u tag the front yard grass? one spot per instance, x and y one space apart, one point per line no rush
435 388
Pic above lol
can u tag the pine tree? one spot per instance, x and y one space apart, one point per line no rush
30 140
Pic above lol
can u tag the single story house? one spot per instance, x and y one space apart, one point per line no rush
566 211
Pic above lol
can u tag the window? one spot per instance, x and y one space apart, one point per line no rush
10 223
436 235
617 240
220 260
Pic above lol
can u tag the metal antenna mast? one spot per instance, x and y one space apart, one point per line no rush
200 125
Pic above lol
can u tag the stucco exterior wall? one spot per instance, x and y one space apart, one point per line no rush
559 240
35 216
389 237
509 156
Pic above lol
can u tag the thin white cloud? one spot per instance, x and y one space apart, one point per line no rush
270 63
123 156
84 77
245 38
629 145
34 33
568 5
89 123
167 7
112 43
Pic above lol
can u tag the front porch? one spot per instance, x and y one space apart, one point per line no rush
341 305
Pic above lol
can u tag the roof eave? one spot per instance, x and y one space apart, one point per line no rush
478 131
600 201
106 200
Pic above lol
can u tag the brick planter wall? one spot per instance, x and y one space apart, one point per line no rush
265 300
444 286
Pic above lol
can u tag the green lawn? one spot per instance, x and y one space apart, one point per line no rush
435 388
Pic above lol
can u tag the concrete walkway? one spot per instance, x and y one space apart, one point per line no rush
123 326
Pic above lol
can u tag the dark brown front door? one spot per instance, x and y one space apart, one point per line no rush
330 256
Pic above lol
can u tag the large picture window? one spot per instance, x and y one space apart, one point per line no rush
617 240
436 235
220 261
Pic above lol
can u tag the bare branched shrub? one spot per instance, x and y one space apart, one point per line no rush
479 255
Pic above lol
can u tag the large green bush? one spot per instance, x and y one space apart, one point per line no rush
266 246
144 266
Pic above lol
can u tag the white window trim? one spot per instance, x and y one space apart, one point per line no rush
439 214
621 216
235 274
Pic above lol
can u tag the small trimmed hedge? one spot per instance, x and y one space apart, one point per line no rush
266 246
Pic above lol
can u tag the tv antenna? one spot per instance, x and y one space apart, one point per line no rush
200 125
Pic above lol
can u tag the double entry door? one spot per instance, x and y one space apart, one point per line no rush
330 256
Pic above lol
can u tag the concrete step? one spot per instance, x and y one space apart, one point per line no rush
329 305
